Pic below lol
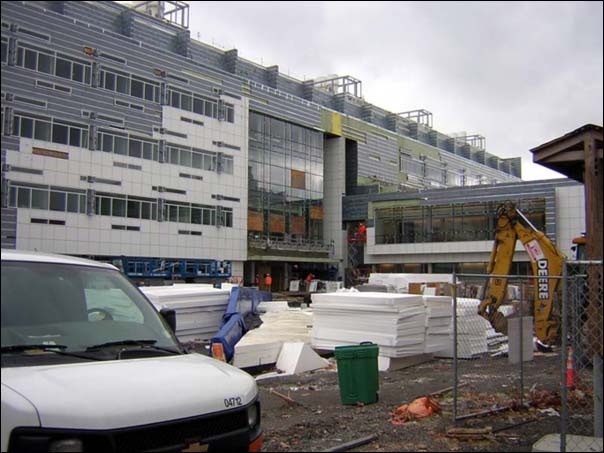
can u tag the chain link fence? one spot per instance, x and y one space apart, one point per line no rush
512 364
582 358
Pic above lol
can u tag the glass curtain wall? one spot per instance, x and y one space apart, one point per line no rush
285 181
453 222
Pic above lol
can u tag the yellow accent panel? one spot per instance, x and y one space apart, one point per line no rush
336 123
331 122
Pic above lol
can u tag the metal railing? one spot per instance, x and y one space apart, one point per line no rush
291 244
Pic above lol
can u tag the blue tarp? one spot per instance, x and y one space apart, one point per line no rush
233 326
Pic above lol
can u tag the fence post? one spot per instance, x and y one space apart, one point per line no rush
454 347
597 362
521 353
564 353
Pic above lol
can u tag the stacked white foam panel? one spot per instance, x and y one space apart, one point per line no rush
471 331
395 322
439 312
400 282
497 342
199 309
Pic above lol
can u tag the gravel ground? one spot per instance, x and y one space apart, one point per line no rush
321 422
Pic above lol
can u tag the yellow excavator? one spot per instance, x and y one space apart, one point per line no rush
546 261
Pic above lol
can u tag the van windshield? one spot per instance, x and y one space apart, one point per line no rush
76 308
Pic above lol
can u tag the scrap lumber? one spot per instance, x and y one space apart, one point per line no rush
470 433
353 444
284 397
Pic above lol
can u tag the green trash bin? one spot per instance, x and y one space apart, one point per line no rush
358 373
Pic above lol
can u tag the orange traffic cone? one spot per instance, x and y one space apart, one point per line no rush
218 352
571 377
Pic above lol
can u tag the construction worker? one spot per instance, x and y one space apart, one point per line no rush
268 281
309 278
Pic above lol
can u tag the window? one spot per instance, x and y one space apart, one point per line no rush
196 158
118 207
42 130
51 130
60 134
130 85
134 209
39 199
136 148
44 63
184 214
75 137
104 206
109 81
227 165
72 202
137 89
24 197
185 100
63 66
4 50
120 145
128 146
57 201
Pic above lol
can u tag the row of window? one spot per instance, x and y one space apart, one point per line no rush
125 145
54 63
106 204
185 100
74 134
130 85
435 171
50 130
458 222
199 215
53 200
263 127
200 159
130 207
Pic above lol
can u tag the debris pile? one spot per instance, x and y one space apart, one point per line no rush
419 408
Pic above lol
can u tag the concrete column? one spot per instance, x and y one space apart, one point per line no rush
334 187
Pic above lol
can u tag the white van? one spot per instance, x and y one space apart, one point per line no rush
89 365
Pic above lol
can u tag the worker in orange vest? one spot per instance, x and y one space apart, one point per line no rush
309 278
268 281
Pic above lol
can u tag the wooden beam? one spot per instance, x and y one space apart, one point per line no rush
566 156
557 148
594 187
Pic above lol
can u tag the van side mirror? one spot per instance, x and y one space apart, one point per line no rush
169 316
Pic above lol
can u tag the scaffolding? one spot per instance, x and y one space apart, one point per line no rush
174 12
420 116
340 84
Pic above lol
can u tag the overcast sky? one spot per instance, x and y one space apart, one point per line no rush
519 74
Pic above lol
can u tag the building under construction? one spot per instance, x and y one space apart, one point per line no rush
126 140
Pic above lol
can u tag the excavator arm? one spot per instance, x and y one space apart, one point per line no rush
546 261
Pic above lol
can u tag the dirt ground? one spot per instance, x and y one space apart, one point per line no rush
320 422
